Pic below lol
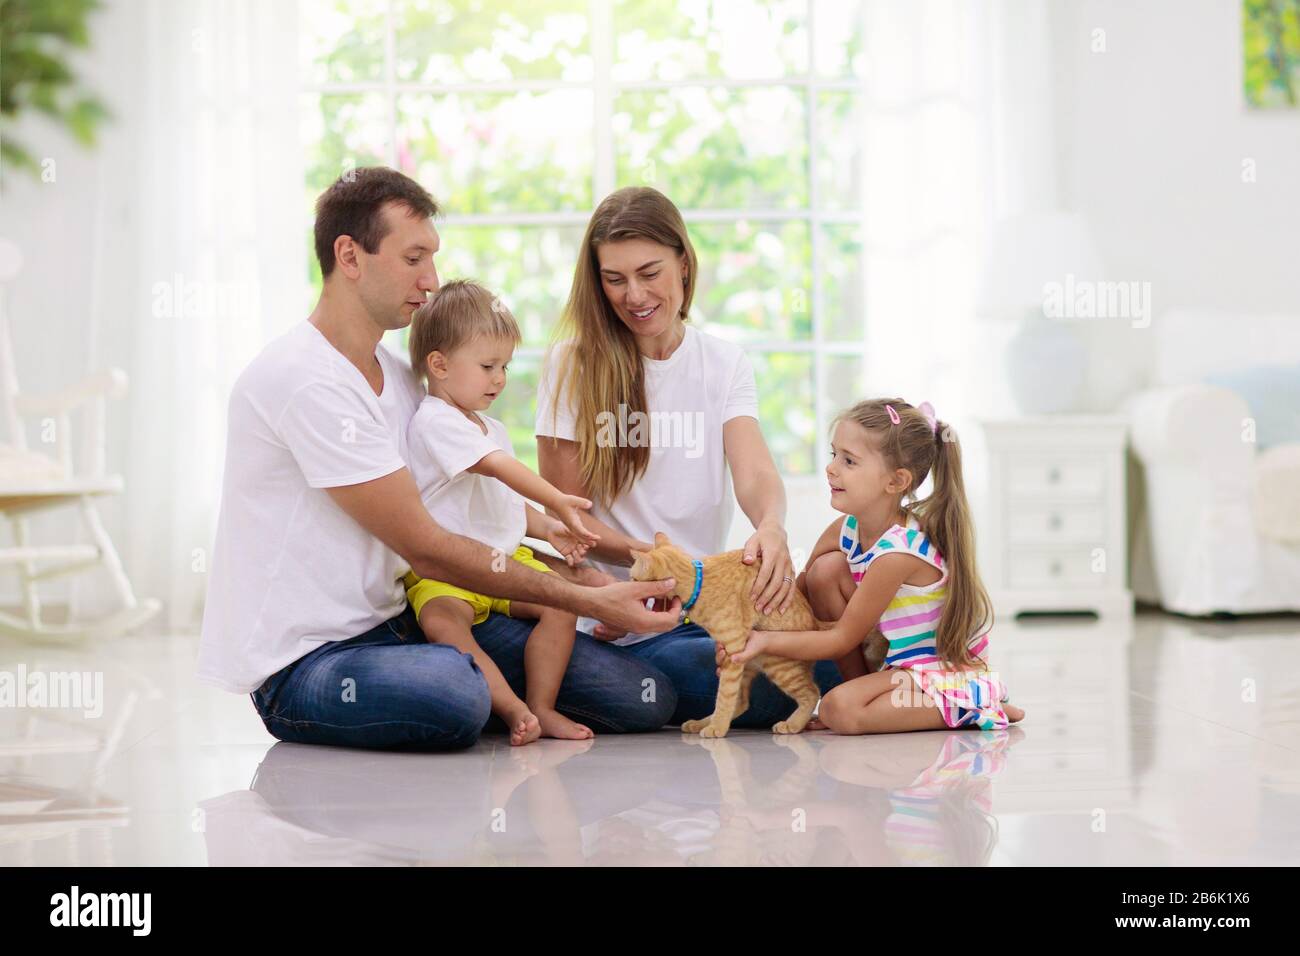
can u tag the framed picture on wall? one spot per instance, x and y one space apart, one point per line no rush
1270 45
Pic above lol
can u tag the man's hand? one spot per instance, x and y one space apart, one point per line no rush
622 606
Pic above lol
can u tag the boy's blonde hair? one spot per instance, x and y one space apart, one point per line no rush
458 313
944 514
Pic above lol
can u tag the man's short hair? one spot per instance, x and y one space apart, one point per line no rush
353 206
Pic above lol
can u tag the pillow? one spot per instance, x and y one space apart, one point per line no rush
1273 394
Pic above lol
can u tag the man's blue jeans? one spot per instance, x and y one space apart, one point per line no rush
389 689
686 655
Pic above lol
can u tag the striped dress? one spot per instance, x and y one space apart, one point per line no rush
967 698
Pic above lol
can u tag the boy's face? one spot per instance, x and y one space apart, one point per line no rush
474 374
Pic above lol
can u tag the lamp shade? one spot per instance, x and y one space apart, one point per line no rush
1030 251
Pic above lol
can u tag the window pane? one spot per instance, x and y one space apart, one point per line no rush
440 41
785 408
529 267
517 407
338 132
843 385
711 147
746 39
844 284
499 152
755 281
840 47
839 165
340 41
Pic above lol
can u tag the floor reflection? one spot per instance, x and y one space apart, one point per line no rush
750 799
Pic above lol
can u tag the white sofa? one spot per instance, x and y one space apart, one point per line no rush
1216 521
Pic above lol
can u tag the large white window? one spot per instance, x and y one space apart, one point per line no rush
520 117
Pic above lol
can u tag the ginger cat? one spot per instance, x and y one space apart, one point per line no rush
724 609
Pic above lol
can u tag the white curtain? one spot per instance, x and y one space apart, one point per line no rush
958 135
215 244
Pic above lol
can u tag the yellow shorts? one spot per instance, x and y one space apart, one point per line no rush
419 591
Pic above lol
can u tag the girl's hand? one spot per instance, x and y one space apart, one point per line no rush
562 540
569 510
773 587
753 647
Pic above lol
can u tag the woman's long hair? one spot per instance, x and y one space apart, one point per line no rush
944 515
598 367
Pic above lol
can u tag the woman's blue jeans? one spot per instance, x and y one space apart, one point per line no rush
686 655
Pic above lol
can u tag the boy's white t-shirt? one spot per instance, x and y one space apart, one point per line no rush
686 489
441 443
290 569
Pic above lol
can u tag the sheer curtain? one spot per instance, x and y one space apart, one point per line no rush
215 244
957 135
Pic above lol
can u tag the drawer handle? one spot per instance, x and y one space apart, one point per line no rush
1054 476
1056 569
1054 522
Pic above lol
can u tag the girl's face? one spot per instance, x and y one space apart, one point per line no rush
474 374
644 282
858 474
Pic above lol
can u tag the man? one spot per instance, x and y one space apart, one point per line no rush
320 520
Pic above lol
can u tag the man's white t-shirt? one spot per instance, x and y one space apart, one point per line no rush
686 490
441 443
291 570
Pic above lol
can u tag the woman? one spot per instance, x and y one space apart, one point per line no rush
645 415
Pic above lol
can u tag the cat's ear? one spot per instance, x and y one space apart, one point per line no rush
639 555
661 539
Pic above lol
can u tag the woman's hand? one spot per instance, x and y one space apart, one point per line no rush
773 587
753 647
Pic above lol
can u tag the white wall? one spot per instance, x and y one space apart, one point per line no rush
1152 134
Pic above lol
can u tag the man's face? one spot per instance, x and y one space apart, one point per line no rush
400 275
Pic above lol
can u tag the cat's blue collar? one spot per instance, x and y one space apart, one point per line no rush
699 583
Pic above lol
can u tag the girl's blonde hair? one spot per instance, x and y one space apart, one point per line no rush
600 365
459 312
944 515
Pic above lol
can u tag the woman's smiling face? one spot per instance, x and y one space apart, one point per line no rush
644 282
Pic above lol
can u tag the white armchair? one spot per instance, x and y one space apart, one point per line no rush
1216 520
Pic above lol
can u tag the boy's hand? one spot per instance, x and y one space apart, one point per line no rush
562 540
569 508
753 647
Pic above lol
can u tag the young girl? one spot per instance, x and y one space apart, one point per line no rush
461 342
907 567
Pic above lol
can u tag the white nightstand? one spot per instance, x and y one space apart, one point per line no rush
1052 537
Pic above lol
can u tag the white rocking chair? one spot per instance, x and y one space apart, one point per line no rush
31 481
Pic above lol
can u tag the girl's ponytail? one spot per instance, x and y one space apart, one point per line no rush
946 517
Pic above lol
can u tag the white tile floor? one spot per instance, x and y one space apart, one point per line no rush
1166 741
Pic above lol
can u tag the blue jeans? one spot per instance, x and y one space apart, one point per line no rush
686 655
389 689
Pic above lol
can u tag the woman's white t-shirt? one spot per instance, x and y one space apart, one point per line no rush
441 444
686 490
291 570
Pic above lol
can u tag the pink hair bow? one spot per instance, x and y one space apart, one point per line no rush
926 409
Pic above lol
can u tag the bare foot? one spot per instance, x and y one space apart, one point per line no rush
1014 713
524 725
555 724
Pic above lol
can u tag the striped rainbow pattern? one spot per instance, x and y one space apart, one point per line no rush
910 623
